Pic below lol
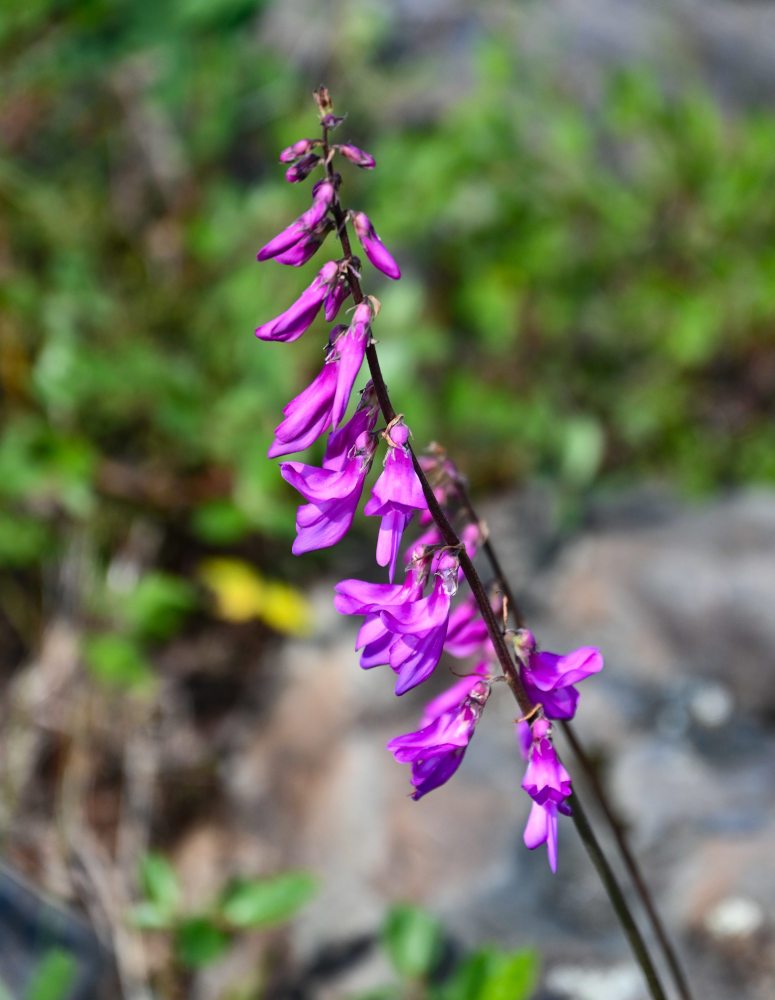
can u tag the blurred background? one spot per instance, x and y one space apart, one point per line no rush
580 196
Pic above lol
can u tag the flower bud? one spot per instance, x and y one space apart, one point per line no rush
357 156
375 250
301 169
331 121
298 149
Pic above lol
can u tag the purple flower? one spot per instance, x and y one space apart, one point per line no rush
302 168
307 247
395 496
291 324
297 150
299 241
467 632
358 156
350 349
375 250
419 630
402 628
338 292
334 490
436 750
323 403
341 442
548 783
548 678
359 597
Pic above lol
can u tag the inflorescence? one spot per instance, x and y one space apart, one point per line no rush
407 625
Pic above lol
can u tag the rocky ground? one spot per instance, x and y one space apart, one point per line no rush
680 723
268 754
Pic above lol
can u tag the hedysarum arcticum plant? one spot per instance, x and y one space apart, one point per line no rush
407 625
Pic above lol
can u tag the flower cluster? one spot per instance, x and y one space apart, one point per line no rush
407 625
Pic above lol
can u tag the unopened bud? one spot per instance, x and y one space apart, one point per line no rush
357 156
301 169
300 148
331 121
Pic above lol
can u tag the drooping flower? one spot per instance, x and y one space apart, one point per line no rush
436 750
291 324
373 246
549 678
299 241
548 783
323 403
360 597
419 630
336 295
334 490
403 629
395 496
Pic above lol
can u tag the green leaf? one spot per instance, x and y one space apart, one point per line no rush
513 977
220 522
158 604
263 902
53 977
23 540
413 940
149 916
490 974
200 942
159 882
117 660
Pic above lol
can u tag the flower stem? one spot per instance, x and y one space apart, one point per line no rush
494 629
630 863
628 858
616 897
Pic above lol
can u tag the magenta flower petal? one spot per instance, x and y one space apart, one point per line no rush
309 414
453 696
467 632
335 298
302 168
548 784
297 150
394 497
541 828
333 493
373 247
351 348
422 627
436 750
549 679
291 324
283 241
341 442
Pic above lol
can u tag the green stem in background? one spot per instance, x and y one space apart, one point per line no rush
616 896
495 632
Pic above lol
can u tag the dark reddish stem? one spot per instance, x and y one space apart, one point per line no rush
630 863
448 533
494 628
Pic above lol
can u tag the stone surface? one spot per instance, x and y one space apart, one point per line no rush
680 722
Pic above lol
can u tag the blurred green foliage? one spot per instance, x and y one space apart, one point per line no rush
414 942
588 291
199 939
